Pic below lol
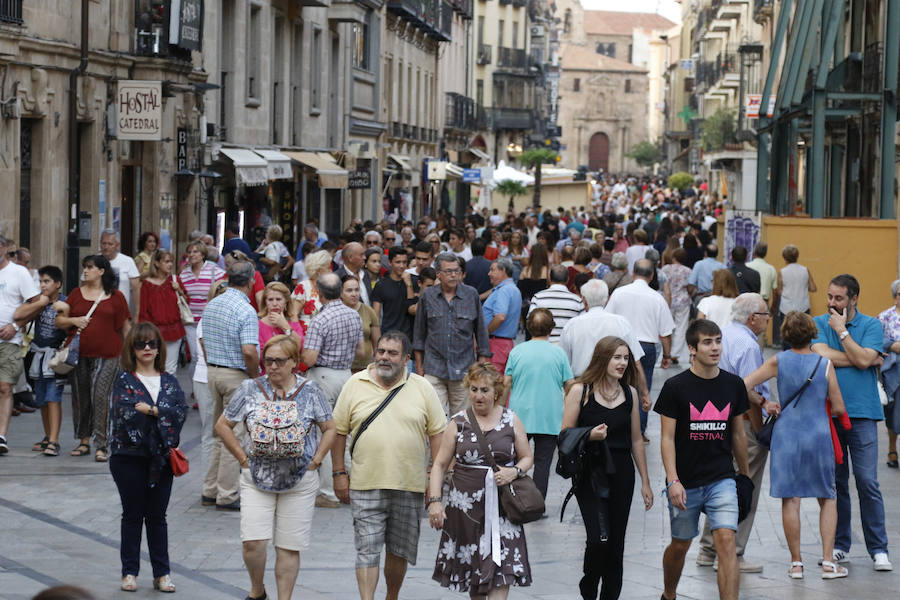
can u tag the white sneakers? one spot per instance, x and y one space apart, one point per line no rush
882 563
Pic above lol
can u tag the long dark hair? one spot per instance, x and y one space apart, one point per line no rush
603 353
538 260
109 280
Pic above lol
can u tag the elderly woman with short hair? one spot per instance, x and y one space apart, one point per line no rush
619 275
195 280
279 482
306 293
890 371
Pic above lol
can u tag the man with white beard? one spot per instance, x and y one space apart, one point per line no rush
389 415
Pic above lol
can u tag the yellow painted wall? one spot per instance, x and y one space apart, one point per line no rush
864 248
567 195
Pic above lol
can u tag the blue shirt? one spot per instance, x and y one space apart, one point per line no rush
858 386
741 354
229 322
538 370
702 274
506 299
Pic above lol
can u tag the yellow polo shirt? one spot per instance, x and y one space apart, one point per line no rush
392 453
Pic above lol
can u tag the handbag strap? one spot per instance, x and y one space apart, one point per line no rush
94 306
482 441
266 395
371 417
803 387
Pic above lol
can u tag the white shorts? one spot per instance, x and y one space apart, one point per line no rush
283 517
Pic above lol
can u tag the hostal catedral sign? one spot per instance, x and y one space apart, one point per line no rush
139 110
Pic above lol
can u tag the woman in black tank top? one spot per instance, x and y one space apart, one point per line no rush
604 398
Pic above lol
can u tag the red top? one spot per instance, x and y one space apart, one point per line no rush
258 285
159 305
102 338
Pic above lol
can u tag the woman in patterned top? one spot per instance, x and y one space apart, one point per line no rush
467 559
305 293
147 413
890 323
278 487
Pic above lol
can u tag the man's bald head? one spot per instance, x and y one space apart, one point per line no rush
329 286
353 255
643 268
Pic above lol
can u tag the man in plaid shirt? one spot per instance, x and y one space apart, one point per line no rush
334 339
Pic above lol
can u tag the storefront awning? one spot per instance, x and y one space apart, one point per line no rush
479 153
401 161
249 167
454 171
331 176
278 165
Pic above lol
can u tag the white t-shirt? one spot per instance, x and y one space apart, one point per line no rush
125 270
152 383
200 370
465 254
717 309
276 251
644 309
16 286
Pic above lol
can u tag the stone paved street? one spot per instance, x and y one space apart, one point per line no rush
60 520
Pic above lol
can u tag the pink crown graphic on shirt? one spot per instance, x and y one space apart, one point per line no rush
710 413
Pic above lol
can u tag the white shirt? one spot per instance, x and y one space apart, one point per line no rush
644 309
582 333
16 286
125 270
634 254
465 254
152 383
717 309
795 289
200 370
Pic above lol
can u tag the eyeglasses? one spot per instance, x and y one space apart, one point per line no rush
141 344
452 271
767 314
278 362
371 242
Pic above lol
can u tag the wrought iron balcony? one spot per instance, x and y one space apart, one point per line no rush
484 54
460 112
512 58
710 72
11 12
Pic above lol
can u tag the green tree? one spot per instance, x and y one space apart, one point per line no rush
511 188
718 129
535 157
680 180
645 154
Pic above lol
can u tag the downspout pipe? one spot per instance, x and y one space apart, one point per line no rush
72 246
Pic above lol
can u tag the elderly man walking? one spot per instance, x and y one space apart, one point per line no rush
390 415
333 341
649 315
129 280
449 331
852 341
501 312
231 344
741 355
557 298
354 257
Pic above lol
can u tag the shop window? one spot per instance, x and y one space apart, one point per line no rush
315 71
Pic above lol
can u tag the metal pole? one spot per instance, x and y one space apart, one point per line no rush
889 107
72 238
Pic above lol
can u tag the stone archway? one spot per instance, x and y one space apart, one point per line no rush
598 152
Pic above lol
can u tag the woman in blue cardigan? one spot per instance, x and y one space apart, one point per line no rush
147 413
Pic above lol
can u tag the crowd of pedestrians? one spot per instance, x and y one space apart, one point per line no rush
345 373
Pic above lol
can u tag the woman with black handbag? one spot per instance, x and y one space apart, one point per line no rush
148 411
472 510
605 398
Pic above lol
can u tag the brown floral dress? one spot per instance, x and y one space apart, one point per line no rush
463 562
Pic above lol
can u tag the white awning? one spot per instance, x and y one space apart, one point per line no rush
330 174
278 165
454 171
401 161
249 167
479 153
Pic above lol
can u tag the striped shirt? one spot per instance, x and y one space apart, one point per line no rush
229 322
562 303
334 332
197 288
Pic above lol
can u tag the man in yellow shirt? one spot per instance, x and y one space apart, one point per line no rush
386 484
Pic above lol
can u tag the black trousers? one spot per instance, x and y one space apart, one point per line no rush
544 447
142 505
603 560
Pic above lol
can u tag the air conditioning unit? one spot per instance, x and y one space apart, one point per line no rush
537 31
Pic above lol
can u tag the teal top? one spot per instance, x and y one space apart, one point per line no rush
538 370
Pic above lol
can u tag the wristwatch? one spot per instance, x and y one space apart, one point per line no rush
16 327
519 472
844 334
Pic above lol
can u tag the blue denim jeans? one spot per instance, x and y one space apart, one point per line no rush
717 499
647 363
862 442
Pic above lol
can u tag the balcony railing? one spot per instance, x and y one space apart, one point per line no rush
512 118
460 112
512 58
464 7
520 3
11 11
709 72
434 17
484 54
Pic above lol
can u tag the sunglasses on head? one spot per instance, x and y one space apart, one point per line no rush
141 344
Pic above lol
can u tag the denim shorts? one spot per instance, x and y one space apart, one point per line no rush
48 389
718 500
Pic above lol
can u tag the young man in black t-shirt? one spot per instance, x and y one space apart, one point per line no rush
394 294
702 429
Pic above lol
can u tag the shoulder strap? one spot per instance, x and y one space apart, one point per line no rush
586 390
371 417
482 442
266 395
804 386
261 388
100 298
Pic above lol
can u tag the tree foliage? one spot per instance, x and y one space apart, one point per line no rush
645 153
511 188
718 129
538 156
680 180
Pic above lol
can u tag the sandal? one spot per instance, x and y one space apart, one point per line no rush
164 584
892 462
52 449
832 571
41 445
81 450
796 574
129 583
101 456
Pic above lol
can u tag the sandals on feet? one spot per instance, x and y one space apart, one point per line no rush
52 449
101 455
832 571
892 461
129 583
81 450
164 584
796 574
41 445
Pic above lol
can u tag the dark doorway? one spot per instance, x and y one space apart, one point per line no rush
131 208
598 152
25 154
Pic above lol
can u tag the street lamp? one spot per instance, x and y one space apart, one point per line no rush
208 180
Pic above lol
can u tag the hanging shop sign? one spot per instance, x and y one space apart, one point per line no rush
471 176
139 109
361 177
186 24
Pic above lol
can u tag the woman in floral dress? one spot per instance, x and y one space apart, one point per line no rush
305 293
481 552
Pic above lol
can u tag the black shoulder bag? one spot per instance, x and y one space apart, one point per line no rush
764 435
375 413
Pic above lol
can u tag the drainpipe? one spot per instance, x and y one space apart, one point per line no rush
72 246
